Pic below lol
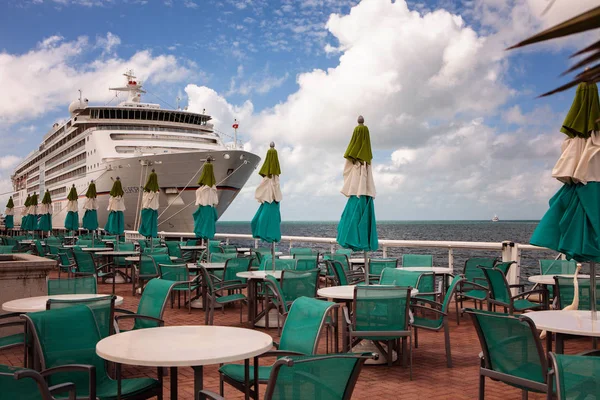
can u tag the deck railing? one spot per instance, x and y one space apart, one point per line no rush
509 251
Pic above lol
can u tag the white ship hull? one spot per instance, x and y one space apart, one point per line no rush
178 174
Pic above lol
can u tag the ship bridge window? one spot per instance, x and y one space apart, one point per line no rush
163 138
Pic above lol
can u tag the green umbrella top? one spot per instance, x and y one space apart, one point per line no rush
207 178
117 189
47 199
271 165
359 148
10 203
151 183
28 201
72 194
34 199
91 192
584 112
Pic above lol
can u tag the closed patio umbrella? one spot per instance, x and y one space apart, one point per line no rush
72 218
9 212
572 223
205 216
115 225
266 224
34 211
25 215
149 214
357 229
45 211
90 217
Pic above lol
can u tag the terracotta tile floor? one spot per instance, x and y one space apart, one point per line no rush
431 378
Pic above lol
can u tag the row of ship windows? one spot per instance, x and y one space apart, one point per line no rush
149 115
67 163
68 175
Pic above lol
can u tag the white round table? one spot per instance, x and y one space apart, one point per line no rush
184 346
258 274
243 249
192 248
70 246
436 270
356 260
96 249
286 257
34 304
549 279
136 259
561 322
118 253
346 292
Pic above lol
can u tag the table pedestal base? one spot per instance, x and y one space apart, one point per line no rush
118 279
261 323
369 346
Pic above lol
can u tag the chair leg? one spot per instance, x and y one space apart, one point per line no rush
390 355
457 313
481 387
447 340
410 357
416 338
221 385
524 394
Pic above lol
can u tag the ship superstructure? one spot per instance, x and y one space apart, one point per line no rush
128 140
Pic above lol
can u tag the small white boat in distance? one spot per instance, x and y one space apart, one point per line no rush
495 219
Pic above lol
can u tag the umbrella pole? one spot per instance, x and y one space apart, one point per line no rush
366 268
273 255
593 290
207 251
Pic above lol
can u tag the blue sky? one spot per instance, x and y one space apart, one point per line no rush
263 62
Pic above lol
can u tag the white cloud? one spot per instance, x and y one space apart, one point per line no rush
426 83
49 76
190 4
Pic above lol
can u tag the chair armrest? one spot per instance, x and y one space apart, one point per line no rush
280 353
210 395
431 302
594 353
90 369
122 310
64 387
428 309
139 316
529 292
46 391
11 315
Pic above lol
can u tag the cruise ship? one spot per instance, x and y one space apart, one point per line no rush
128 140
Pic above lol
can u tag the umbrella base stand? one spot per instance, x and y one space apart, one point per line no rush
262 322
369 346
118 279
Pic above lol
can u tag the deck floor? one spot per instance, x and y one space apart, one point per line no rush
431 378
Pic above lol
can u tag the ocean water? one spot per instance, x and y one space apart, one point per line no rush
471 231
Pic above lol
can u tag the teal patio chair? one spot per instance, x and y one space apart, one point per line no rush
500 294
474 287
151 308
87 266
565 292
377 265
301 251
341 275
306 263
6 249
346 252
557 267
574 376
423 281
145 270
78 285
13 321
39 248
380 314
149 251
66 264
417 260
181 274
215 296
438 319
327 377
49 329
27 384
229 248
280 265
102 307
229 274
174 250
511 351
300 336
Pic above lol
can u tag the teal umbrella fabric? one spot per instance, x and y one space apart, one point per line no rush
90 217
572 223
45 220
357 229
205 216
34 212
266 224
115 225
72 218
9 220
149 214
26 216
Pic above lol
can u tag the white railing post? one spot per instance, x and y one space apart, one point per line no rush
227 241
332 248
509 254
384 251
451 258
290 245
256 243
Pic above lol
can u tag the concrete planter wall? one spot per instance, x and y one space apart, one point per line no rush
22 275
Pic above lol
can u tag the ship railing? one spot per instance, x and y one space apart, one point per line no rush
508 250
